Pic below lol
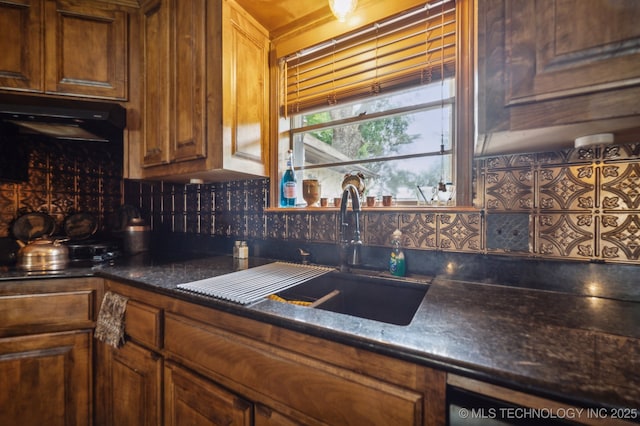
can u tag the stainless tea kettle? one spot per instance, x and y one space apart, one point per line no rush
43 254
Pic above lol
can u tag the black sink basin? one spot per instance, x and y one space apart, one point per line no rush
377 298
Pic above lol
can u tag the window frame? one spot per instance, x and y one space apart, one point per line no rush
464 113
433 105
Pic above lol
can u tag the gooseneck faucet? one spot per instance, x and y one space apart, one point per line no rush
350 248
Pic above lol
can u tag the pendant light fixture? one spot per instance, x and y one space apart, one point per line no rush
342 8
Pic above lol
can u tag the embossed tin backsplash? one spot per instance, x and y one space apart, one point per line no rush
579 204
65 177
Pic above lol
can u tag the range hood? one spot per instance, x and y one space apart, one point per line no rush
64 118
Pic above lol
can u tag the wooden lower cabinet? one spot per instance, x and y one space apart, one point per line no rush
47 350
46 379
129 381
301 386
130 386
193 400
223 369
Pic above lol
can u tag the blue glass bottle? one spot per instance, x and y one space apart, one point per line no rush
288 184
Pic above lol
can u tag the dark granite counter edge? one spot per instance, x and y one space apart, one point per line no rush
495 376
272 313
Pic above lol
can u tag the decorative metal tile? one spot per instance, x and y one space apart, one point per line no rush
509 190
238 225
237 196
167 200
62 182
510 161
620 186
38 157
255 225
298 226
166 222
379 227
110 203
460 232
508 231
8 198
179 199
222 195
38 181
276 225
206 199
112 186
61 206
207 223
419 230
88 183
192 198
88 202
581 204
156 207
566 235
567 188
256 195
622 152
33 201
620 237
323 227
5 224
192 222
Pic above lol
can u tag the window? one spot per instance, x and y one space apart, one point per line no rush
381 102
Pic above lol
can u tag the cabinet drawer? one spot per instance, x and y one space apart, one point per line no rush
280 378
143 324
46 311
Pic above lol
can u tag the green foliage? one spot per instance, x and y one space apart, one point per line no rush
384 137
376 138
325 135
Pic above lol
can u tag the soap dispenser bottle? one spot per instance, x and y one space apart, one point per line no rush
397 266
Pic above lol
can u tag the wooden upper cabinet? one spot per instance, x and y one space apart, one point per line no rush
64 47
21 43
204 93
245 75
173 91
188 84
154 78
553 70
86 49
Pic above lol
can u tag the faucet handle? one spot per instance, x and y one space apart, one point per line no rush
305 255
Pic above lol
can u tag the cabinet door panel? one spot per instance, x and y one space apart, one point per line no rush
135 387
550 71
192 400
143 324
245 72
46 379
187 82
154 22
21 44
86 50
290 380
559 48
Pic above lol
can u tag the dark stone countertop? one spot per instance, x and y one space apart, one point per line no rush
576 349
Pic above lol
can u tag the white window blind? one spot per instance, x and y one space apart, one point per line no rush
415 47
